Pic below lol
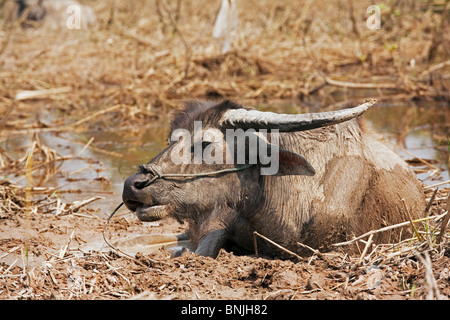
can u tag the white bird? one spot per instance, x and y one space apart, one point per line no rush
226 23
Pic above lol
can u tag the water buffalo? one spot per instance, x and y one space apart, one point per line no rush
335 179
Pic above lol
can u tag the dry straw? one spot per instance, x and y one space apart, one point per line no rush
144 57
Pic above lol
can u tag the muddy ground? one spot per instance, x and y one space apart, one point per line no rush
60 265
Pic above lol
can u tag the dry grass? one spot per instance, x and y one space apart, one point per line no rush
141 59
140 56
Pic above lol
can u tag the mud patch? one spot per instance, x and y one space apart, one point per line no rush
49 260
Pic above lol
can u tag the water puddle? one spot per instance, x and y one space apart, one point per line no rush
145 243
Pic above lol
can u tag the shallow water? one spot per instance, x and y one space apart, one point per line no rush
143 243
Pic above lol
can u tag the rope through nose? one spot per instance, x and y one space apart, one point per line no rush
151 168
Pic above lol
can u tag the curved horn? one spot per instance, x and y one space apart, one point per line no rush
246 119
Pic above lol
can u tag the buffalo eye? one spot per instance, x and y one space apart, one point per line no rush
204 144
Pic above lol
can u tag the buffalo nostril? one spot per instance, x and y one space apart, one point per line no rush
141 184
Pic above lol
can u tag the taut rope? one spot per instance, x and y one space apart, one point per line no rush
154 169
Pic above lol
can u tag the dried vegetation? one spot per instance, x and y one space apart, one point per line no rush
141 59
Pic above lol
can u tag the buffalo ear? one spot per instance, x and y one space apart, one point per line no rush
291 163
